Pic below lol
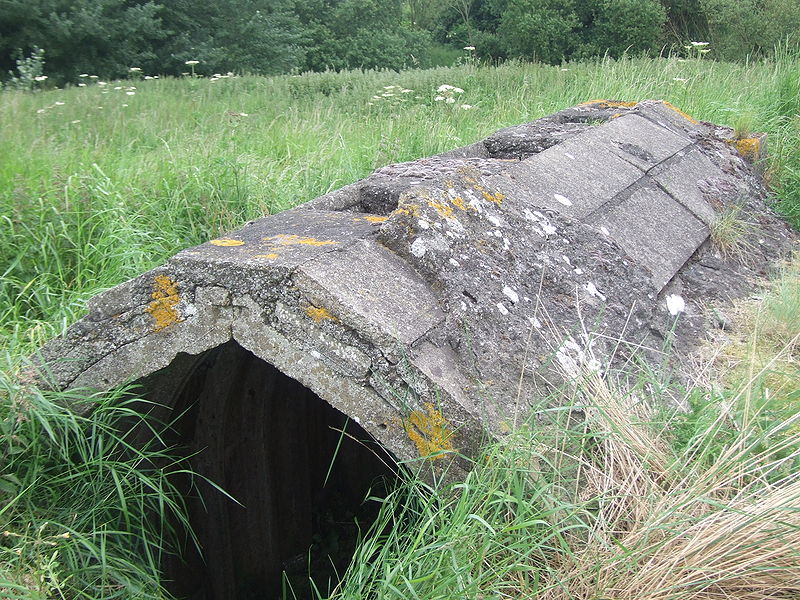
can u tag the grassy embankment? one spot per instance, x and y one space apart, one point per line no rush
98 184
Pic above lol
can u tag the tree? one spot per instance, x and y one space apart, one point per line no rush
542 30
103 37
255 36
619 26
352 34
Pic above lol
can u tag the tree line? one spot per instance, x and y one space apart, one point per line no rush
109 37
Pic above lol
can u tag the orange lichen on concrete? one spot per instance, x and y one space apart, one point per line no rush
374 219
497 197
443 208
226 242
163 308
294 239
680 112
430 432
270 256
320 314
749 148
611 103
459 203
411 210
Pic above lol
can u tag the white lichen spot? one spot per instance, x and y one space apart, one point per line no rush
568 155
506 244
562 199
604 230
593 291
315 354
423 224
189 310
535 322
675 304
578 271
594 365
503 310
418 248
543 221
454 262
566 259
494 220
570 356
512 295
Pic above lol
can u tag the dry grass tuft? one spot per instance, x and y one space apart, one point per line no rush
666 528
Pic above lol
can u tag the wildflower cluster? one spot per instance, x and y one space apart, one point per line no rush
697 49
392 95
50 107
218 76
448 94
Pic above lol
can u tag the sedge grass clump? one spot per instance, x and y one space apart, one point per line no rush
730 231
85 510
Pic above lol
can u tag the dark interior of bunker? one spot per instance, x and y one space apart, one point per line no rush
299 469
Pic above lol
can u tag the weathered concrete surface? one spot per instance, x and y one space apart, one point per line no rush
436 300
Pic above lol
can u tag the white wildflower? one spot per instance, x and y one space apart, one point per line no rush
675 304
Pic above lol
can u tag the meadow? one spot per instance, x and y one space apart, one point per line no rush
101 182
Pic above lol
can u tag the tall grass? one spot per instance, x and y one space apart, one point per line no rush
602 497
85 510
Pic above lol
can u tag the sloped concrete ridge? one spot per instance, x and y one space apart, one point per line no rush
435 301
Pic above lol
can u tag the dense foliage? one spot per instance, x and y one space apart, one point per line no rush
109 37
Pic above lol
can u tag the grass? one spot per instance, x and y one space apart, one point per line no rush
608 496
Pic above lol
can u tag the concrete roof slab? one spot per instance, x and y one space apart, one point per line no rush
655 231
681 180
371 289
573 178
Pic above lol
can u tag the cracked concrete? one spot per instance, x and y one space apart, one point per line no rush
457 288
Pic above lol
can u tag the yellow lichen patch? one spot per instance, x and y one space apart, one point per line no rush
497 197
430 432
294 239
611 103
459 203
163 308
271 255
374 219
411 210
749 148
320 314
679 111
443 208
226 242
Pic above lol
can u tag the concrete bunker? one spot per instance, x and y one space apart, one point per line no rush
434 302
299 471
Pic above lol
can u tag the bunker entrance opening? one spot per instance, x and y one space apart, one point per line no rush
299 469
